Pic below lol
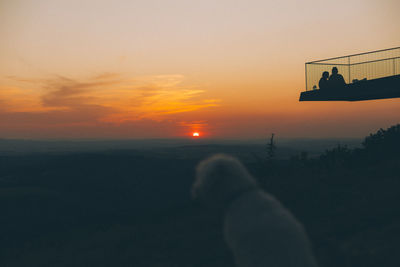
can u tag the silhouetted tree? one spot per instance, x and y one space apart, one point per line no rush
336 156
304 156
271 148
384 143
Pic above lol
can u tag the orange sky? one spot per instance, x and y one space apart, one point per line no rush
149 69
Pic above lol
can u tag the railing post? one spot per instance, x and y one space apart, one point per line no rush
348 61
394 67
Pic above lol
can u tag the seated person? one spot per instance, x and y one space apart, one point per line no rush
336 79
323 82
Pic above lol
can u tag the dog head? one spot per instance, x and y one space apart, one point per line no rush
220 179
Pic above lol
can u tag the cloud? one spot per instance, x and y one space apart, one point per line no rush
80 116
105 99
107 75
15 99
65 92
195 125
22 79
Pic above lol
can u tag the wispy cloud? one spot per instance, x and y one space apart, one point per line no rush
69 93
16 99
194 125
106 98
107 75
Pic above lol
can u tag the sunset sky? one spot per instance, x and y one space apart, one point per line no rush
168 68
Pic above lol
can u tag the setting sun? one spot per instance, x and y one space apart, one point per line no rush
234 75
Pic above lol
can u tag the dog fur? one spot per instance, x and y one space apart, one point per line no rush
258 229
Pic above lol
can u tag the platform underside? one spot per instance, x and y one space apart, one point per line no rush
388 87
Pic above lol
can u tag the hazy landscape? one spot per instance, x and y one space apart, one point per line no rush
92 205
108 107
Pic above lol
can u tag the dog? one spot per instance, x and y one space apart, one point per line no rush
258 229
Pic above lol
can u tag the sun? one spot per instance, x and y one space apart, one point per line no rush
196 134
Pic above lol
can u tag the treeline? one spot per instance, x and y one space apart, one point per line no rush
346 198
377 147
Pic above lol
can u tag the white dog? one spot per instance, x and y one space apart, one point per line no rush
257 228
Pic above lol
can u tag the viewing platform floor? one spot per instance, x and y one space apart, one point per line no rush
382 88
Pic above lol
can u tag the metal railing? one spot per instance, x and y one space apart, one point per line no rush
353 68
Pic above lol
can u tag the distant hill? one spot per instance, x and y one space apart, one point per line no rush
286 147
106 203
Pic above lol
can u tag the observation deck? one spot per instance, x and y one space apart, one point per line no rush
368 76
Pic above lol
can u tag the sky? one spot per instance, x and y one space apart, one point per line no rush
166 69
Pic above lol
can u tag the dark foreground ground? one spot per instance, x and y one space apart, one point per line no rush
133 207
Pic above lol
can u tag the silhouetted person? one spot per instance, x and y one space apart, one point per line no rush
323 82
336 79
